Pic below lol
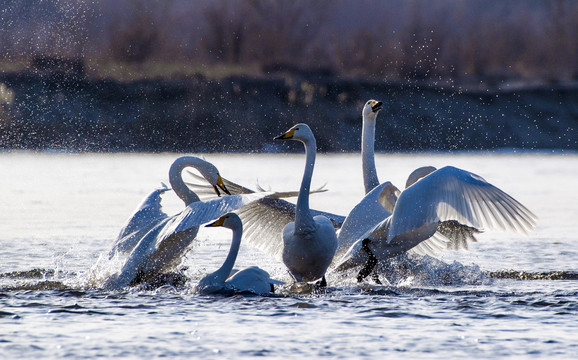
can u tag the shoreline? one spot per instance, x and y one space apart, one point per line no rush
243 114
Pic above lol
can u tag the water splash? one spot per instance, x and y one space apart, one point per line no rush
524 275
408 271
403 272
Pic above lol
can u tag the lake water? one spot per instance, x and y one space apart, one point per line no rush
60 212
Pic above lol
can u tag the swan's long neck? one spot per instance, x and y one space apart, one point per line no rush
370 180
225 270
303 219
176 179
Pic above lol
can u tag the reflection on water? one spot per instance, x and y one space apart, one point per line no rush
509 296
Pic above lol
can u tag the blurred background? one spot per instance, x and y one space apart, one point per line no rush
223 75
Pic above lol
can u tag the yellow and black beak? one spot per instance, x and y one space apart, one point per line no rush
288 135
220 184
218 222
376 105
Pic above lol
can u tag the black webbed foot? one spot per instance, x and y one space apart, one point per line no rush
375 278
321 283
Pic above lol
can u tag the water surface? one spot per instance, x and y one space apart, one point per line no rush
60 212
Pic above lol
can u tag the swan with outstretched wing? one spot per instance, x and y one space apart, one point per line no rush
161 246
438 209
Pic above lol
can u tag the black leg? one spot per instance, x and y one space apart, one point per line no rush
370 265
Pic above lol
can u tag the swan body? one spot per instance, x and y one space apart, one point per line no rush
439 209
251 279
158 245
309 243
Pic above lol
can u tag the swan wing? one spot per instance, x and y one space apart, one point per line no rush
458 235
147 214
265 219
200 212
375 207
451 194
423 241
263 223
432 246
205 191
200 186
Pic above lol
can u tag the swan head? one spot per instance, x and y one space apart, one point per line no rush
210 172
300 132
419 173
220 185
229 221
371 108
205 168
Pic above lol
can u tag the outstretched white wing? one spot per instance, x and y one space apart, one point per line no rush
443 209
201 212
205 191
147 214
451 194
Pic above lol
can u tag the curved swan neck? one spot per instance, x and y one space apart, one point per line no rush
225 270
370 180
176 179
303 218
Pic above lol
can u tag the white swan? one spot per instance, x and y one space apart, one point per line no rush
439 209
163 246
251 279
309 243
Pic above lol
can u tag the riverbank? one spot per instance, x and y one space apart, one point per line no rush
242 114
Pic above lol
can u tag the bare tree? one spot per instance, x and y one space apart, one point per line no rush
226 31
135 33
287 31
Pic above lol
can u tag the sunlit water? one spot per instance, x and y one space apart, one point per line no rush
60 212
